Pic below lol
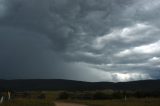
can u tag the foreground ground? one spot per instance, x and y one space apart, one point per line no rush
129 102
28 102
51 100
68 104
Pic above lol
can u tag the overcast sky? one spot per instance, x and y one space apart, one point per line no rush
89 40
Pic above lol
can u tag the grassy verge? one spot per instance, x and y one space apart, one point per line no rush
129 102
28 102
50 97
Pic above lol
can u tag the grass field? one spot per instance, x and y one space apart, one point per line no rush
28 102
51 97
129 102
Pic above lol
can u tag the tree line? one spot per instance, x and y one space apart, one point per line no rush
106 95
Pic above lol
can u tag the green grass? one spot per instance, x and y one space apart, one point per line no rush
28 102
51 97
129 102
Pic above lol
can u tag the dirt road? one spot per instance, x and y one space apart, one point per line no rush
68 104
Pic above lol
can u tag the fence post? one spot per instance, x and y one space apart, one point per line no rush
1 100
9 95
125 98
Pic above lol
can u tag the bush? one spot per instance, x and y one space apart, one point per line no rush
63 95
117 95
85 96
41 96
100 95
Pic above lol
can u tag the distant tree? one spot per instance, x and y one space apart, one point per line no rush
63 95
117 95
88 95
41 96
100 95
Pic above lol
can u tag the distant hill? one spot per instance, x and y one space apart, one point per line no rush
58 84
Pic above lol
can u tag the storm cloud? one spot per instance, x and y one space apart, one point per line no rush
89 40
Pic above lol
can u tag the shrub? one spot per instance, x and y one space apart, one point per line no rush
100 95
117 95
63 95
41 96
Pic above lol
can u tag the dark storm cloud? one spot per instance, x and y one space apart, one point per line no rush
93 40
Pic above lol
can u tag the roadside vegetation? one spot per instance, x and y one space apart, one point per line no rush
106 94
27 102
112 98
89 98
120 102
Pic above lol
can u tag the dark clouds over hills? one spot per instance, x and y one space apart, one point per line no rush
93 40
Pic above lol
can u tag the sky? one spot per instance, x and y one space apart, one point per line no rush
87 40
